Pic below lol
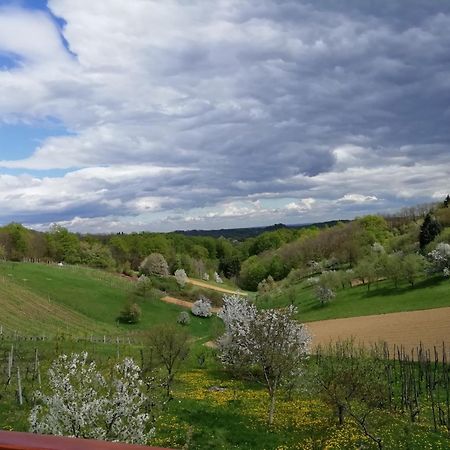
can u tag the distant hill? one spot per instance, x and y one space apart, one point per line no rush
240 234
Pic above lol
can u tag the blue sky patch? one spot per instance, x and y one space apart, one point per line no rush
20 141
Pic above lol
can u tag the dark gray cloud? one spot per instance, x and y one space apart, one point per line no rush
247 100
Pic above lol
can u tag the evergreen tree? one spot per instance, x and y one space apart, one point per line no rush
447 201
429 230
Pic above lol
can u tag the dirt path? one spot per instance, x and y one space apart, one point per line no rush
214 288
431 327
184 303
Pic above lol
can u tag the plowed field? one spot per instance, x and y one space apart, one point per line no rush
431 327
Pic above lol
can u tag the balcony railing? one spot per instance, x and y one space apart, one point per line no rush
11 440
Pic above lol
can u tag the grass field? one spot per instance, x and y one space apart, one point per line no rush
234 416
82 299
210 409
358 301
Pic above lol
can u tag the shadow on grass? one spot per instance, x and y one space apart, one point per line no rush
391 290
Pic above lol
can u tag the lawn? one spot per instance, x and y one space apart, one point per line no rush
382 298
87 295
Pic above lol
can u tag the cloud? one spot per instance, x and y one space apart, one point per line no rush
357 198
176 109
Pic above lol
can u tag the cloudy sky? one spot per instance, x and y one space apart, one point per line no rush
167 114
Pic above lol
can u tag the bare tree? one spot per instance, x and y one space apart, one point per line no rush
169 345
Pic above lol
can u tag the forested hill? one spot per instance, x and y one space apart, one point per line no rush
269 254
240 234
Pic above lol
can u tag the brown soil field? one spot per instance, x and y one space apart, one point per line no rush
408 329
184 303
214 287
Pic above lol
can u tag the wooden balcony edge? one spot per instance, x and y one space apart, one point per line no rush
13 440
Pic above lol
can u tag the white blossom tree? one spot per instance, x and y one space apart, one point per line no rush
217 278
270 341
324 294
83 404
440 258
181 277
202 307
155 264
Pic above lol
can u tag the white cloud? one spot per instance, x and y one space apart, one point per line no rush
357 198
199 109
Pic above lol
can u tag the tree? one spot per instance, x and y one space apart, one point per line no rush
143 286
429 230
96 255
366 271
230 265
440 258
202 307
271 342
412 267
169 344
155 264
253 271
447 201
324 294
131 313
352 382
63 245
394 268
83 404
181 277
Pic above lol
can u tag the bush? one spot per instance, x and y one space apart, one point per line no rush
183 318
165 284
131 313
143 287
202 307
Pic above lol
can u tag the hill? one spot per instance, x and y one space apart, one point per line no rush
240 234
51 299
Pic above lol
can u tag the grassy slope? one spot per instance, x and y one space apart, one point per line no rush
95 295
28 313
358 301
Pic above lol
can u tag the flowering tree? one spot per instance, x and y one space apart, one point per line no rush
324 294
181 277
440 258
205 276
202 307
217 278
270 341
82 404
155 264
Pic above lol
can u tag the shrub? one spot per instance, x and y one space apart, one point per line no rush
202 307
183 318
131 313
143 286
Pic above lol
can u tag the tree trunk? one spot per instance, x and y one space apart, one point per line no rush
271 407
341 411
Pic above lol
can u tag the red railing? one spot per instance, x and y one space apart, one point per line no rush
11 440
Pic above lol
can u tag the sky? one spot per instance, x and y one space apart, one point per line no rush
200 114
